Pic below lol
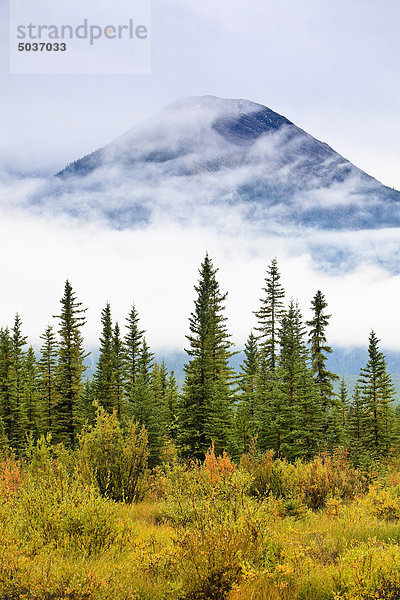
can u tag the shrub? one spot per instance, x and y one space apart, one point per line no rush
219 526
327 477
382 504
114 459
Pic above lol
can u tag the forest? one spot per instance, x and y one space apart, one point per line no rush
270 482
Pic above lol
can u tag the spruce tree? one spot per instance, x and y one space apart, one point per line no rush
337 429
377 394
30 415
355 425
8 414
70 367
87 405
320 349
132 345
171 407
301 410
105 367
248 390
269 316
118 373
18 341
206 411
145 408
47 380
271 416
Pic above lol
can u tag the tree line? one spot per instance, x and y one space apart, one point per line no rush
281 399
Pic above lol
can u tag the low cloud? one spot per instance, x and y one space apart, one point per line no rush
156 266
139 232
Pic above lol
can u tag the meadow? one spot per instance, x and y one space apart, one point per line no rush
75 526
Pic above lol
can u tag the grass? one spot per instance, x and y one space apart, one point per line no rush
201 533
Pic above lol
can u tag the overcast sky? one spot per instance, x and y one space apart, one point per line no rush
329 66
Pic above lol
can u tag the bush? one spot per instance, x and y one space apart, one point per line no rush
219 526
114 459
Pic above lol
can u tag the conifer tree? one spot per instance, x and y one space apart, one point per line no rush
337 430
269 315
145 408
142 407
18 341
87 405
320 349
132 345
355 423
301 411
271 417
8 415
377 394
30 417
47 380
70 367
248 388
105 367
159 382
205 411
171 407
118 373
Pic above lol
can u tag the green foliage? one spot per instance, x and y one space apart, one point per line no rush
132 345
248 392
269 315
70 367
47 381
118 373
301 411
105 366
30 410
114 459
9 414
320 348
377 393
206 411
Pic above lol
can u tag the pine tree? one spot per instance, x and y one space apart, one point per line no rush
47 380
377 394
205 411
105 366
132 345
270 314
70 367
320 349
248 388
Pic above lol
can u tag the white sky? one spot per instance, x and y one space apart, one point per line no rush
331 67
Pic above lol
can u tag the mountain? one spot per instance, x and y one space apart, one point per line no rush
203 156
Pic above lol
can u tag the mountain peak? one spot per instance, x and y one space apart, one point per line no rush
223 151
